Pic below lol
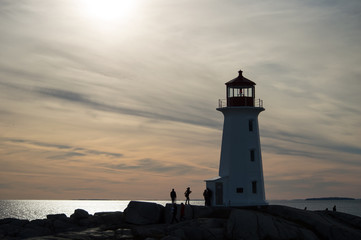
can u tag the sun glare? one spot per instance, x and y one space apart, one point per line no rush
108 10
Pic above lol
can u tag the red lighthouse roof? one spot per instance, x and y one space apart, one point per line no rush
240 81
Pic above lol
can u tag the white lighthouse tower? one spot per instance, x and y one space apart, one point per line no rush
240 181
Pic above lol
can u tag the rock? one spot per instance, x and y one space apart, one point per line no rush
154 231
193 212
33 232
7 220
347 219
319 222
202 212
62 226
19 222
247 224
124 233
193 232
179 234
90 222
220 212
10 230
90 233
214 233
109 218
212 228
79 214
210 223
12 226
171 238
61 216
39 227
141 213
46 223
202 228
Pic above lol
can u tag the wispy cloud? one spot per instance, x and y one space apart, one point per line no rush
151 165
81 99
70 150
41 144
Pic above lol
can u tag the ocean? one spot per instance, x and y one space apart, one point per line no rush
39 209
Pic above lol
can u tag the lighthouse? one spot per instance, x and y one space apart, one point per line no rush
240 181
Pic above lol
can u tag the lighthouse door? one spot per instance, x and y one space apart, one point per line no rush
219 193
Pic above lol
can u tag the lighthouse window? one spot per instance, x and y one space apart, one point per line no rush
251 155
254 187
250 125
239 190
234 92
231 92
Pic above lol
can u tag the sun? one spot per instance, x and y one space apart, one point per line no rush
108 10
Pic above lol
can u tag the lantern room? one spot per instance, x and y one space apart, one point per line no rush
240 92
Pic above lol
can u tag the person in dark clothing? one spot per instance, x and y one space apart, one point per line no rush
186 194
174 213
173 195
209 196
205 195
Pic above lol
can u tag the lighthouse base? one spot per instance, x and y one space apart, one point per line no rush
223 193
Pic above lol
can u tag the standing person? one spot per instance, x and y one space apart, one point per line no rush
205 195
209 191
186 194
173 195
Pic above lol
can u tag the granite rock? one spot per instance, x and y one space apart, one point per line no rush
249 224
79 214
142 213
321 223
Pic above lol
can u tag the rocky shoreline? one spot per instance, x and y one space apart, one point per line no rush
145 220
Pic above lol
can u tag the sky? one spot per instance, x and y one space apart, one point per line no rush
117 99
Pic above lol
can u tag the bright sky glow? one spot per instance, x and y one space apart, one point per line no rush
108 10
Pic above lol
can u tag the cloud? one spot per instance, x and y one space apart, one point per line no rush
70 150
308 180
81 99
5 186
111 154
306 141
41 144
83 189
155 166
67 155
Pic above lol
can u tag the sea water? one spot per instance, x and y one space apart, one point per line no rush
39 209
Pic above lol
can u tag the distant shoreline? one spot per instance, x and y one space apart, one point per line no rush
330 198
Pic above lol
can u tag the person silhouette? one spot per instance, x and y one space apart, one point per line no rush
173 195
186 194
206 196
209 192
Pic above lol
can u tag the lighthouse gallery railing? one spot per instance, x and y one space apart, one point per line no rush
223 103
